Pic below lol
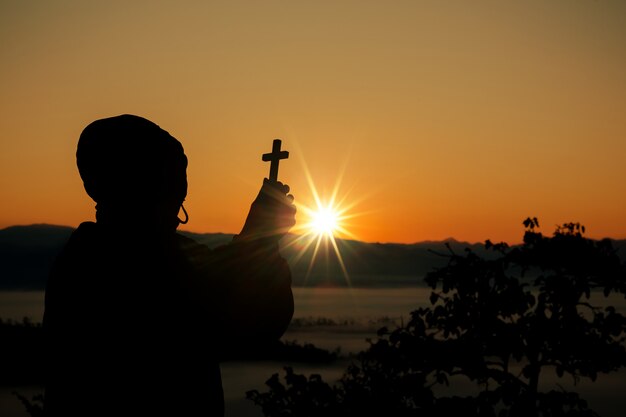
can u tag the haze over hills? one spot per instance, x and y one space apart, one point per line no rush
27 253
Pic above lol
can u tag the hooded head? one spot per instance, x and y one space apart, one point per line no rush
133 169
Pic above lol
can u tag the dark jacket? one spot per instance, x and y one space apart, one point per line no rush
136 324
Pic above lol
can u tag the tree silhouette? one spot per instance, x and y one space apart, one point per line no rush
495 326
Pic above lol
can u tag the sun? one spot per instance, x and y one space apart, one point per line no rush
324 221
324 224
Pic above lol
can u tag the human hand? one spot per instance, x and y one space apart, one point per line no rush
271 214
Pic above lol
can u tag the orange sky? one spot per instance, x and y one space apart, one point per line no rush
445 118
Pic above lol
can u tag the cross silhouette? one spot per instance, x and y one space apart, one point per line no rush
275 156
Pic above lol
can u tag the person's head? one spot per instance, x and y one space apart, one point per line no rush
135 172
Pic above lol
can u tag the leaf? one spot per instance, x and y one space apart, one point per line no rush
442 379
433 297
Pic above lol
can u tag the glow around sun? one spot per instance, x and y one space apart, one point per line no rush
324 221
322 225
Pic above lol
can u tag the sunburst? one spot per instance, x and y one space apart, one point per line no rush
323 222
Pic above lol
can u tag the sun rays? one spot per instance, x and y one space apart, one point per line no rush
324 222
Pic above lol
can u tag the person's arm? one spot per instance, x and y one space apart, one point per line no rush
271 215
256 298
250 289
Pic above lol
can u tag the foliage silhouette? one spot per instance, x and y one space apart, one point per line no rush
21 351
34 406
496 323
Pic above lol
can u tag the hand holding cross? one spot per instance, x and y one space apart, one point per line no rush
272 213
275 156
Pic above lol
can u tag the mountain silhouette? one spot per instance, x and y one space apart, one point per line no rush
27 253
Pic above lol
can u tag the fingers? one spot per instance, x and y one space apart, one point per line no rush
276 184
272 213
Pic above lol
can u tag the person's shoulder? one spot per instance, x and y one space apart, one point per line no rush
86 228
85 232
191 246
80 243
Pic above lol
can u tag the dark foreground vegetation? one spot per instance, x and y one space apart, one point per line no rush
22 348
22 351
499 323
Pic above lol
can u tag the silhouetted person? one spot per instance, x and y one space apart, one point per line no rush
138 316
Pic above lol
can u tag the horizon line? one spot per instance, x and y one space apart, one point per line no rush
447 239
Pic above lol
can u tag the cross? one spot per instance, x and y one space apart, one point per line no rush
275 156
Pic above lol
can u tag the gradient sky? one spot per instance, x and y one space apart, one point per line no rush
442 118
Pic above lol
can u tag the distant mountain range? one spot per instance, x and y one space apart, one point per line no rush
27 253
